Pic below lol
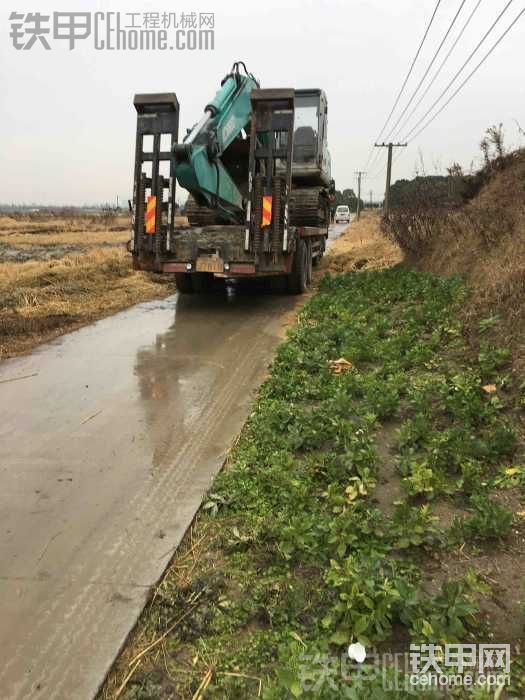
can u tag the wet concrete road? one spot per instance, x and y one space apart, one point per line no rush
336 230
110 437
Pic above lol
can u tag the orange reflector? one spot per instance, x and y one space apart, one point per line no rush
151 212
266 211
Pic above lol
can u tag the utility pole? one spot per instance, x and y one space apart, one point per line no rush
359 174
371 198
390 146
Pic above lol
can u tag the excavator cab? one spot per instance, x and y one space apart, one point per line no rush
311 159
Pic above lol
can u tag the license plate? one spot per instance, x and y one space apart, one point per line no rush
209 264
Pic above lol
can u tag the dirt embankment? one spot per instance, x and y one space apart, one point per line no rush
483 241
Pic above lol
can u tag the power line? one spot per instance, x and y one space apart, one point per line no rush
400 154
436 54
409 136
470 75
406 79
456 76
438 72
460 87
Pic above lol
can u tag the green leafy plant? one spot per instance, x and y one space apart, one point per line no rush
492 358
489 522
413 526
371 594
446 617
488 323
510 477
419 479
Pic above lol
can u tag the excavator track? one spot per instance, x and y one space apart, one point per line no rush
309 206
199 215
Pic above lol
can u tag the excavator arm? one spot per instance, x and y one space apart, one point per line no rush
199 158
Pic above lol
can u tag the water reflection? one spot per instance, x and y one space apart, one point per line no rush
188 363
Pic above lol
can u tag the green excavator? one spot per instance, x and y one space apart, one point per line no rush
257 169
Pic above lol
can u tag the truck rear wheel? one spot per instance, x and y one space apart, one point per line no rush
202 282
183 283
317 258
309 263
298 278
277 284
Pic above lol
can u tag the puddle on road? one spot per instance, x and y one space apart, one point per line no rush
157 362
106 416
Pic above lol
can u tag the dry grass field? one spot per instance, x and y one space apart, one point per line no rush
57 274
361 247
44 237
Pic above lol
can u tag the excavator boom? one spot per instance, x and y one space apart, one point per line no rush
199 165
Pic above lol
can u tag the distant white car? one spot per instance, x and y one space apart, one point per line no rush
342 213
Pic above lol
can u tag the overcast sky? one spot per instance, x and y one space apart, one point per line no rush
68 121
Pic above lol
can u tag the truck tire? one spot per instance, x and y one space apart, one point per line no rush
317 259
183 283
298 277
202 282
309 265
278 284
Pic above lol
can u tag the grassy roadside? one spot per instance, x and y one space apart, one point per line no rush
378 501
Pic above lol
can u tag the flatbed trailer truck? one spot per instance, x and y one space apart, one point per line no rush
260 199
